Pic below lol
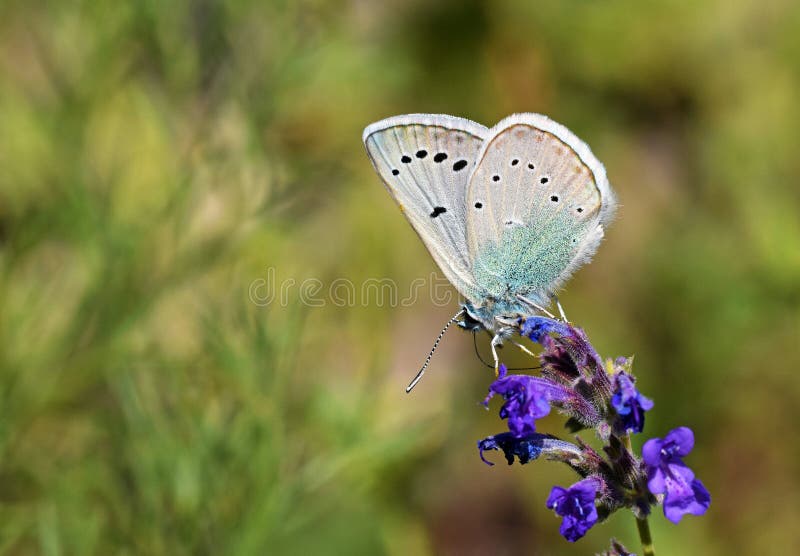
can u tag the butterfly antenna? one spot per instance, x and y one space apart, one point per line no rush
421 372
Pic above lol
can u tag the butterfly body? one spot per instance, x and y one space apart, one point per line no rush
508 213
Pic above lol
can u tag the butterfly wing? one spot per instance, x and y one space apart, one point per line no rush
425 161
538 201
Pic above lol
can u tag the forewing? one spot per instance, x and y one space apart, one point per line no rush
425 161
538 201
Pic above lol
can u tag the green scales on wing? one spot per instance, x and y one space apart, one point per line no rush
537 202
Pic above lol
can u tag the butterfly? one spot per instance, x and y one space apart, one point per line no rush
508 213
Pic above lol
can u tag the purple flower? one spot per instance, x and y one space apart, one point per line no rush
567 354
536 327
529 447
576 505
557 362
668 475
527 399
629 403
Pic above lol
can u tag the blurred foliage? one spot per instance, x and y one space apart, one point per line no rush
156 159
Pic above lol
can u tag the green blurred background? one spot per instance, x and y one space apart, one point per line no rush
157 159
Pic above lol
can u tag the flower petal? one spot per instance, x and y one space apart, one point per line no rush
557 495
530 447
651 452
527 398
645 402
573 529
536 327
576 506
525 449
686 498
629 404
683 440
679 469
656 481
502 371
586 490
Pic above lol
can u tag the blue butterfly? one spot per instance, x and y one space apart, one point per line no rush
508 213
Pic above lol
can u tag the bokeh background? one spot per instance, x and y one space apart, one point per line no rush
158 158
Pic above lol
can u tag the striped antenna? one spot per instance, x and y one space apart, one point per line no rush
421 372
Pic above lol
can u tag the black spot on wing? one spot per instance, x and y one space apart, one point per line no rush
437 211
422 153
459 165
405 159
440 157
395 171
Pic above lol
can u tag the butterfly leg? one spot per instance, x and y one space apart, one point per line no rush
535 306
523 348
561 311
496 341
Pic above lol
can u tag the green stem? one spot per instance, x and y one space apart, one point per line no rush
644 535
641 522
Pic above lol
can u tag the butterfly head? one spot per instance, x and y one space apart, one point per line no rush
469 322
494 315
